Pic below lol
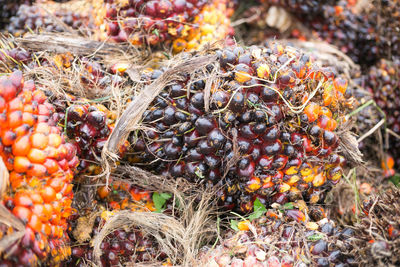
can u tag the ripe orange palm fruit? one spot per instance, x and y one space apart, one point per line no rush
41 166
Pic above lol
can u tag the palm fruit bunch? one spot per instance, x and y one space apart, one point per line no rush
183 24
377 236
342 23
9 9
283 238
311 8
336 22
41 171
37 18
389 28
270 131
383 82
121 246
87 126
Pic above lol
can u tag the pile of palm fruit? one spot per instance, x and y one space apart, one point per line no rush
199 133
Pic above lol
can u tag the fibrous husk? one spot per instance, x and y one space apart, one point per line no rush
179 233
377 236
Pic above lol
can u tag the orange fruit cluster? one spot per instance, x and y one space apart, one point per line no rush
41 166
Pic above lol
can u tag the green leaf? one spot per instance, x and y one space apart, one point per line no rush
315 237
288 206
199 173
234 225
165 196
258 210
395 179
156 32
167 56
256 215
159 201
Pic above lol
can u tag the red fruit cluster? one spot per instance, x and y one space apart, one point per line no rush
119 247
273 113
276 240
188 24
87 126
41 171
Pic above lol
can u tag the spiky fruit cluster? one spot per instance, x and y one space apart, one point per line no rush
35 18
87 126
182 23
283 239
383 82
9 9
377 235
269 131
41 171
122 246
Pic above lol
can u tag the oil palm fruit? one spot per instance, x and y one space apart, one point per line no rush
12 59
122 246
9 9
41 171
383 82
184 24
353 30
270 131
283 238
52 17
87 126
302 7
341 24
